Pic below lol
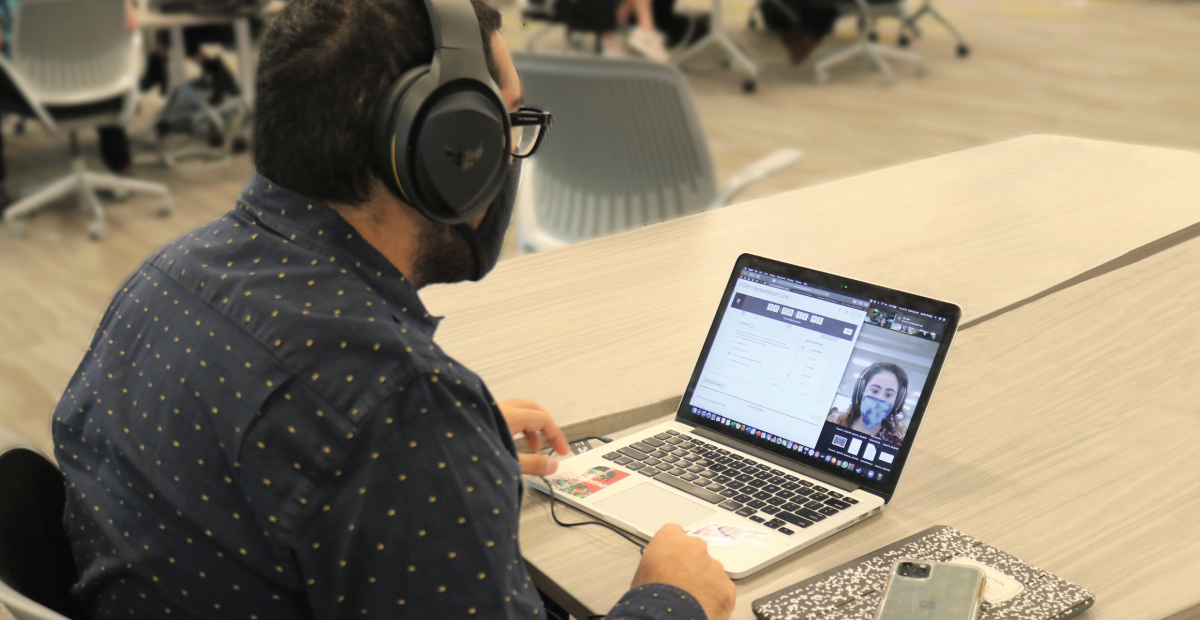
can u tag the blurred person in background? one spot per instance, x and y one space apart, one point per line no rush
810 21
609 16
220 80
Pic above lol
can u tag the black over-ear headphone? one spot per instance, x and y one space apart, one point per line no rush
860 388
442 132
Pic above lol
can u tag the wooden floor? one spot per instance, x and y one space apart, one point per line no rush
1115 70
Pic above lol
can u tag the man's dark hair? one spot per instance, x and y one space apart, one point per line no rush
324 66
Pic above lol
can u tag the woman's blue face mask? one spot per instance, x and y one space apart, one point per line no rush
873 411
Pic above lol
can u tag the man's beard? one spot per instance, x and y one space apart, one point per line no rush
443 256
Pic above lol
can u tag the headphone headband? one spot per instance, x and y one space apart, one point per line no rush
457 43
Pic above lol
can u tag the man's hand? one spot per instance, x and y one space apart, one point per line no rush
528 418
679 560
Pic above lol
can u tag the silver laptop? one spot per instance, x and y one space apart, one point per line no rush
796 423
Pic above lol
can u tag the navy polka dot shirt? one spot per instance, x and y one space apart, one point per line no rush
263 427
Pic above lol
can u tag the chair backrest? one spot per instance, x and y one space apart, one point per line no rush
74 51
626 148
37 568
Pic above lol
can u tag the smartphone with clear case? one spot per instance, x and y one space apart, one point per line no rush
921 590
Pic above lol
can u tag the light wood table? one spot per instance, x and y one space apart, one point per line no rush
605 333
1062 432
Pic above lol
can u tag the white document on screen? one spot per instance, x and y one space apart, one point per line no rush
776 360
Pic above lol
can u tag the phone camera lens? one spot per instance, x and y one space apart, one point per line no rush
912 569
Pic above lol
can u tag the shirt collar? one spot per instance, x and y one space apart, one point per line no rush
317 227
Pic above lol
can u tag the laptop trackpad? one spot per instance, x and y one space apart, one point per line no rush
649 507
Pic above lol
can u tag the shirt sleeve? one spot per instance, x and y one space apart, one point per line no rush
657 601
421 517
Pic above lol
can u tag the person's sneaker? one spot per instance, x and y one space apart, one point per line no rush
649 44
611 46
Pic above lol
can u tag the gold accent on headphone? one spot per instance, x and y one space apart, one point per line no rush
395 174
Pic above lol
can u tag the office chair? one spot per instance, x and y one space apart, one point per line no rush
550 15
626 150
75 65
866 47
37 568
908 24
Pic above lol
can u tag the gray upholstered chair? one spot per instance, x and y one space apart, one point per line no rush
626 150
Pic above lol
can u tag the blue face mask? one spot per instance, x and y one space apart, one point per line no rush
487 240
873 411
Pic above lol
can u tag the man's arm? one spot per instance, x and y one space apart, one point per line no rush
422 515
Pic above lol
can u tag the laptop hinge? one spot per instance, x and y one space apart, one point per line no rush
778 460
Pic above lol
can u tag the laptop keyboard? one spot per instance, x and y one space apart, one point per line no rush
766 495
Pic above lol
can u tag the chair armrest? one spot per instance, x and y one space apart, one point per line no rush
771 164
18 82
133 72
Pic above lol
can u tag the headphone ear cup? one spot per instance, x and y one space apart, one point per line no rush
441 148
459 153
900 396
386 159
860 386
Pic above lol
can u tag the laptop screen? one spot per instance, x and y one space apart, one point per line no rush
824 373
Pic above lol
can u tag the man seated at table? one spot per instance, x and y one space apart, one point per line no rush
263 425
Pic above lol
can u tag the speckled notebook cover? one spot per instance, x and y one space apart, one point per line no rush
851 591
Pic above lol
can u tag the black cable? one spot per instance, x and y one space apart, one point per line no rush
548 449
553 498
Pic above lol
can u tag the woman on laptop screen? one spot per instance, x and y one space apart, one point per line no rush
877 403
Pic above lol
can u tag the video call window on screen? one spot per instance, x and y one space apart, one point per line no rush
887 371
820 372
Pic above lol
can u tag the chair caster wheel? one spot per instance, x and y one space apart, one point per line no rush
16 229
749 86
166 209
962 50
216 140
97 231
873 37
239 145
903 41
